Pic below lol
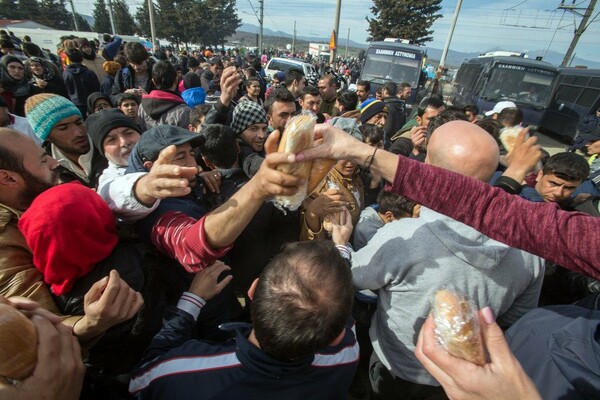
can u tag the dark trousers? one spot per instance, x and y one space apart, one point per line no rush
386 386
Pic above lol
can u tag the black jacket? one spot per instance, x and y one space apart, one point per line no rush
396 117
80 83
125 79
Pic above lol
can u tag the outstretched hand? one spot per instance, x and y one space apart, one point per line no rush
165 179
524 157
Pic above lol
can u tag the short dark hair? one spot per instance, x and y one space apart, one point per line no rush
399 206
348 99
403 85
451 114
280 94
568 166
121 97
366 84
472 108
330 78
135 52
302 300
429 102
164 75
491 126
196 113
106 38
313 91
251 80
251 71
75 55
391 88
220 147
293 74
371 133
510 116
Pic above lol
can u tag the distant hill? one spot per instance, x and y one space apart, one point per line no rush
246 35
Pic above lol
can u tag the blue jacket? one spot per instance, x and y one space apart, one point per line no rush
175 367
559 348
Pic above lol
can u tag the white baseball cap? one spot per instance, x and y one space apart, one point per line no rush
501 105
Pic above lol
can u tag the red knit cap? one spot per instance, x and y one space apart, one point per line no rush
69 229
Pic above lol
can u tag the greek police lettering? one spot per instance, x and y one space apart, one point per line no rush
385 52
508 66
404 54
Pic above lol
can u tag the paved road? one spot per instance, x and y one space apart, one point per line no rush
550 143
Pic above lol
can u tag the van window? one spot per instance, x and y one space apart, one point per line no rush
275 64
588 97
568 94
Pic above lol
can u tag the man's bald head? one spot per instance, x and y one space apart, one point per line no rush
464 148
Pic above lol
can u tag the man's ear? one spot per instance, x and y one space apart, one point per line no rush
418 119
148 165
389 216
208 163
252 289
539 176
7 178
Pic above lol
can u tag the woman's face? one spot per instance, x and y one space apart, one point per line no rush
36 68
16 70
345 168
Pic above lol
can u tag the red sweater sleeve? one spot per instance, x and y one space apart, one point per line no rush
182 237
566 238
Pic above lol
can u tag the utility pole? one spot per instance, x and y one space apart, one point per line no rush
582 27
347 40
260 32
74 15
450 33
111 17
152 29
336 29
294 40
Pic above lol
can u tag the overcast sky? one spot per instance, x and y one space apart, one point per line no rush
512 24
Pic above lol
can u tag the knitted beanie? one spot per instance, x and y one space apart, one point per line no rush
371 107
45 110
69 229
100 124
245 114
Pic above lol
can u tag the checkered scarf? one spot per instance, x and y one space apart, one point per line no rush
245 114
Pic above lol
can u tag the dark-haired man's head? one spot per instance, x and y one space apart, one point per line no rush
26 169
197 116
164 76
302 300
363 90
372 135
137 57
389 90
393 207
346 101
404 91
220 150
510 117
472 112
310 99
75 55
328 88
561 175
428 108
280 107
295 81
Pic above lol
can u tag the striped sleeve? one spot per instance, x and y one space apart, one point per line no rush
182 237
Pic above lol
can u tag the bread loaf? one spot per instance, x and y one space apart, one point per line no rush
18 344
298 136
457 326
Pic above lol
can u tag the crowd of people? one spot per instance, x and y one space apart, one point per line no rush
138 232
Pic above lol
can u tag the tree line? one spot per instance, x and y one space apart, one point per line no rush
206 22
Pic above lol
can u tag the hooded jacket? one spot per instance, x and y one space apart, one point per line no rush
559 349
160 107
80 83
409 259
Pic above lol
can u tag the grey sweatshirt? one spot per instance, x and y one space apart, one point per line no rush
409 259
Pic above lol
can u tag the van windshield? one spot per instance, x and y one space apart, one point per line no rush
381 68
530 86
